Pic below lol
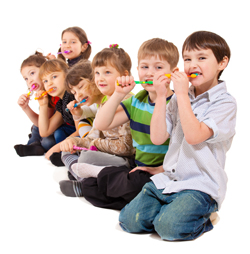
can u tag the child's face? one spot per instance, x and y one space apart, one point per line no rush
31 76
80 92
205 64
105 79
148 67
71 43
55 80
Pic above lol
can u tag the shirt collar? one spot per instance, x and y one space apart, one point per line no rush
212 93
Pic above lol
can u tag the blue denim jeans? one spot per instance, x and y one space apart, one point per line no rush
177 216
63 132
46 142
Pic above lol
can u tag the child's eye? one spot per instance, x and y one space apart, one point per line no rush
108 72
144 67
186 59
96 73
32 73
158 67
45 81
54 76
202 58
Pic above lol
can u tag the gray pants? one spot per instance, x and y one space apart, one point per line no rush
93 157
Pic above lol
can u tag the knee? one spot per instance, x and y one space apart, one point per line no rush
126 220
168 229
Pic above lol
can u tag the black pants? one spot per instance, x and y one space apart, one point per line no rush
114 187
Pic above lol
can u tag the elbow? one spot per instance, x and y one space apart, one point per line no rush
191 140
156 141
43 134
98 126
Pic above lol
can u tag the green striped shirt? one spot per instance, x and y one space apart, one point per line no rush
139 110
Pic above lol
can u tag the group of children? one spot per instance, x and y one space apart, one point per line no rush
158 155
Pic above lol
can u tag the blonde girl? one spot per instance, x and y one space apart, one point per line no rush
53 73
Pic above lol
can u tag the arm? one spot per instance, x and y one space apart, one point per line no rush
194 131
47 125
58 148
158 126
111 114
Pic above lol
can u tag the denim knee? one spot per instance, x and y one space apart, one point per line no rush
48 142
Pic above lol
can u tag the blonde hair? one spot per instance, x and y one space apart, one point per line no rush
164 49
54 65
116 57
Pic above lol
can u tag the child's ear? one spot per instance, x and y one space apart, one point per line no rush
175 69
126 73
84 47
223 63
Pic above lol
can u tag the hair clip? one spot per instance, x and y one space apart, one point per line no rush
44 93
114 46
76 104
88 42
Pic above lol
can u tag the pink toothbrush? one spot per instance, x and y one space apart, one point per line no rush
92 148
66 52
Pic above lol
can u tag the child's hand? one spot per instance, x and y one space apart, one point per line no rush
67 145
50 56
43 100
126 84
77 111
23 101
161 83
180 82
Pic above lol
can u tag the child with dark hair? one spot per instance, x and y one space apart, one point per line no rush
75 46
200 122
36 145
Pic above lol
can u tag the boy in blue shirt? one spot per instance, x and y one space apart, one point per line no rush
200 121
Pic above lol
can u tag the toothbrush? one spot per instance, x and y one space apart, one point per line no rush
76 104
31 89
194 75
139 82
92 148
66 52
44 93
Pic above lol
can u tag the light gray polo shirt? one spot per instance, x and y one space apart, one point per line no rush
199 167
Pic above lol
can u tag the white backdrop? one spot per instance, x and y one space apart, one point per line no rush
35 217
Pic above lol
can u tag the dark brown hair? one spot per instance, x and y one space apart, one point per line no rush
116 57
164 49
81 70
82 36
208 40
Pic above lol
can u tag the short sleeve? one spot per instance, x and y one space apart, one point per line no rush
221 118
